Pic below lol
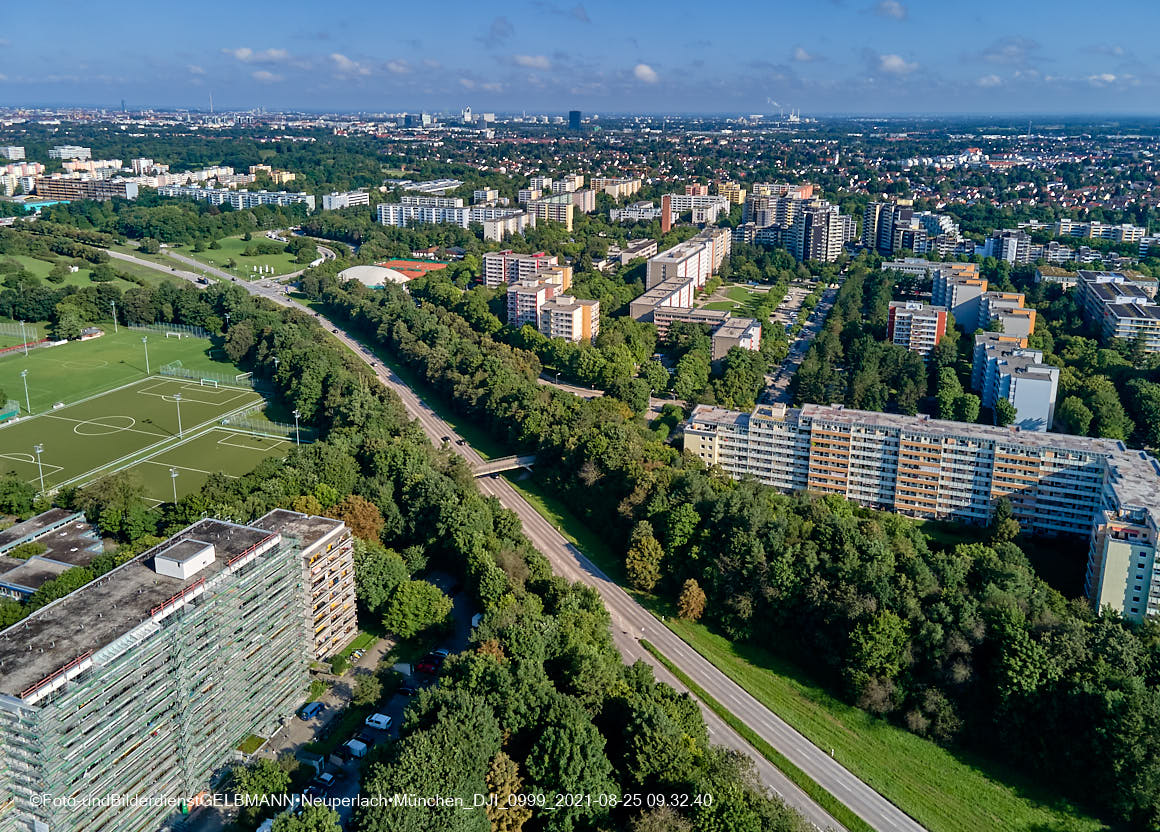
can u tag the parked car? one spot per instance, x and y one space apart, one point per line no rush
408 690
323 781
380 721
430 663
366 737
311 710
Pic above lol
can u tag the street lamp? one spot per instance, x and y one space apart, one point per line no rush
39 450
173 476
27 401
177 398
297 438
227 320
145 341
113 303
557 378
24 339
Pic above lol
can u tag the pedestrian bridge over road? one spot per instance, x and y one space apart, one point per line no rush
507 463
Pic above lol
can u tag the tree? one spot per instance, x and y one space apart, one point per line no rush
16 495
1005 412
948 393
642 562
691 603
59 273
259 779
1074 415
1004 526
68 323
377 571
504 783
361 515
967 408
413 607
312 818
368 690
239 341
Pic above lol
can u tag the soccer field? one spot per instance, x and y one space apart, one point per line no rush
83 439
80 369
219 449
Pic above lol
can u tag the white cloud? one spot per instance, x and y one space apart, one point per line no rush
644 72
533 61
891 8
3 77
1102 78
432 63
896 65
266 77
989 81
399 67
194 69
267 56
345 66
492 86
802 56
467 83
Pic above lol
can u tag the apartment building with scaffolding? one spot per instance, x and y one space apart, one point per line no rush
142 682
327 549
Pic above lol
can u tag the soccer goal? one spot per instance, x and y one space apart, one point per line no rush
177 335
208 382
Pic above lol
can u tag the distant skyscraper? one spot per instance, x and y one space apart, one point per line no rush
573 119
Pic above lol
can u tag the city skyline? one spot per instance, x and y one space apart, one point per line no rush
843 56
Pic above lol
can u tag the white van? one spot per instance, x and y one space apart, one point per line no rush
358 749
380 721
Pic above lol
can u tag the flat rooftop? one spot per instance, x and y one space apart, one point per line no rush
33 573
735 328
838 414
100 612
307 529
12 535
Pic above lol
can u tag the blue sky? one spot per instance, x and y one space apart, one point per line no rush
819 56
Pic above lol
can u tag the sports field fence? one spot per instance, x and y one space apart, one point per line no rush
175 369
251 420
15 329
169 330
11 408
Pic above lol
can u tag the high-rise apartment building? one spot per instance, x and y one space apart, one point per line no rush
573 119
958 287
819 232
238 199
556 208
1017 374
1119 307
72 188
525 298
916 326
484 196
570 318
697 258
1010 245
500 267
616 187
70 151
732 191
141 683
11 152
347 199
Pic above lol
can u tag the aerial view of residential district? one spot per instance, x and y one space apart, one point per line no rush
580 416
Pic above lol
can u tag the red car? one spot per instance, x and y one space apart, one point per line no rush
430 663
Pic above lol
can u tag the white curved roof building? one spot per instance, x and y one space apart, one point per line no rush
373 276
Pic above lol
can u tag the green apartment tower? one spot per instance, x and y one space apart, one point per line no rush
126 697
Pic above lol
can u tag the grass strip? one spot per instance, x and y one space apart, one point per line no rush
838 810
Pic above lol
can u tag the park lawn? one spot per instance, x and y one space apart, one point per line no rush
232 248
944 791
41 268
80 369
721 306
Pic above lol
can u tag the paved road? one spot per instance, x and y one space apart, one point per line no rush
777 389
630 622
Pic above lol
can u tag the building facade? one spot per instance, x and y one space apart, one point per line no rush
238 199
916 326
142 682
347 199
